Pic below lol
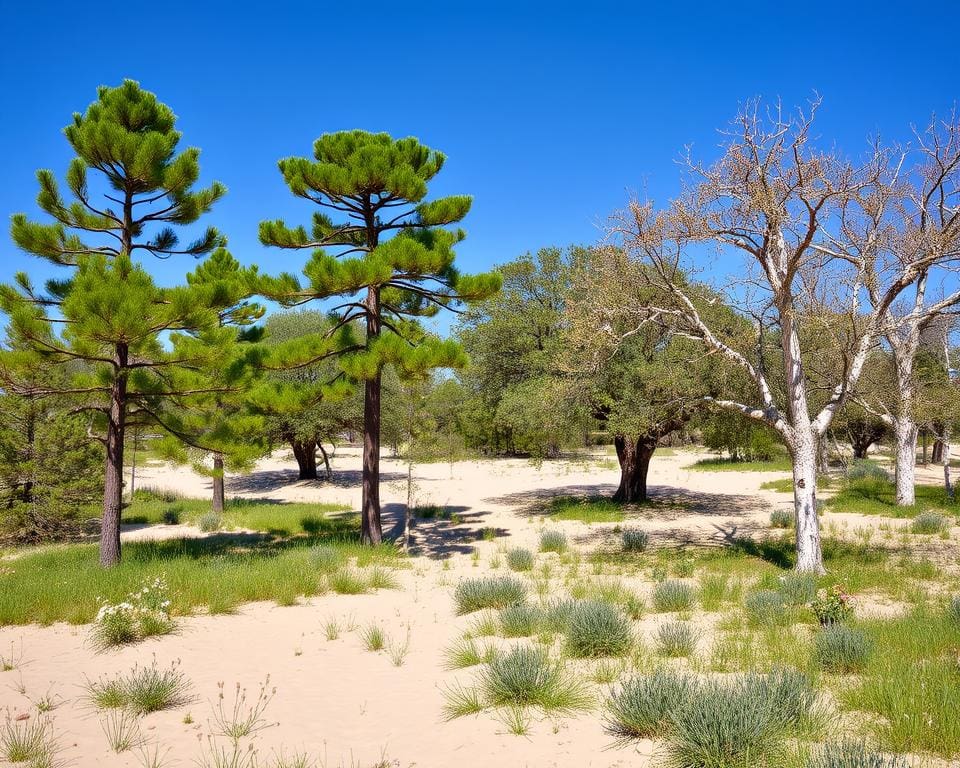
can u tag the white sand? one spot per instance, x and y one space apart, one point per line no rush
334 699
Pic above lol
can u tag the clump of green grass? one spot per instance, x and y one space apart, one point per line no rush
520 620
556 615
782 518
677 639
210 522
765 608
526 676
797 588
852 754
325 558
717 589
27 741
672 595
553 541
122 729
929 523
348 581
241 719
144 690
634 539
460 701
520 559
466 653
953 610
864 469
491 592
840 648
373 638
641 708
597 629
586 510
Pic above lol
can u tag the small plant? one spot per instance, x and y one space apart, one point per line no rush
864 469
839 648
373 638
519 620
12 660
497 592
782 518
553 541
854 755
519 559
171 516
144 613
641 708
460 702
798 588
332 629
143 690
516 720
241 719
489 534
325 558
677 639
597 629
152 756
929 523
634 539
832 606
122 729
671 595
526 676
347 581
765 608
27 741
466 653
381 578
398 651
715 590
210 522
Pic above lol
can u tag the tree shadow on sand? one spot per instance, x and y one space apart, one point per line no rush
266 481
447 531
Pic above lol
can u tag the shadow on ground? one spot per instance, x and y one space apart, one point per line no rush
266 481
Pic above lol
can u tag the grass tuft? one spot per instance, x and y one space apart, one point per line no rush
839 648
520 559
677 639
634 539
526 676
597 629
853 755
671 595
641 708
553 541
492 592
143 690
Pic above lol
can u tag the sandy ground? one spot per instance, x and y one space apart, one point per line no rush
336 700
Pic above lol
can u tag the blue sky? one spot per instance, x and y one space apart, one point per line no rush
550 114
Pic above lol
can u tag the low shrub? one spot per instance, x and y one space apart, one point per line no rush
765 607
171 515
782 518
553 541
929 523
526 676
143 690
832 606
210 522
519 559
519 620
677 639
641 708
839 648
864 469
853 755
671 595
493 592
634 540
798 588
144 613
597 629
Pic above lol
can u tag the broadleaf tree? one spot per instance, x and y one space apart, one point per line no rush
393 263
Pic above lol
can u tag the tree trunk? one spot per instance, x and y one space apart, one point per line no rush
809 555
371 531
634 457
944 443
936 455
218 494
326 462
860 448
409 510
113 471
305 452
905 438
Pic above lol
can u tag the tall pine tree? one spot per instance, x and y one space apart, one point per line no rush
106 322
394 263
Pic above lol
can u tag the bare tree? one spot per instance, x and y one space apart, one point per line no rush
813 231
925 237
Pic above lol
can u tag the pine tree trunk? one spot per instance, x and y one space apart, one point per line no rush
905 438
113 471
326 462
218 493
809 556
944 443
305 452
371 531
634 457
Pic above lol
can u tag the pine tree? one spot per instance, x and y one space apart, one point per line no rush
105 323
394 264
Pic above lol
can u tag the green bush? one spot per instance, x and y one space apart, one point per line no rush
519 620
526 676
929 523
171 515
634 539
519 559
497 592
677 639
553 541
210 522
798 588
669 596
765 607
782 518
839 648
597 629
853 755
642 707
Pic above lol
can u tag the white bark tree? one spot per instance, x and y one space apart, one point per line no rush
813 231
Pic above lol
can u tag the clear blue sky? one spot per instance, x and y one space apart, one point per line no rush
550 113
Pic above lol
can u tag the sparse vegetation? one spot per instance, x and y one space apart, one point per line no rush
840 648
553 541
634 539
519 559
526 676
595 628
143 690
671 596
677 639
494 592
